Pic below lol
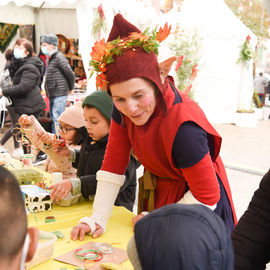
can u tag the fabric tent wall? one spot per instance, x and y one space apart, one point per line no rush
15 15
57 21
222 85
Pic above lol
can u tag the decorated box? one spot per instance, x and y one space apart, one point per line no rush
36 198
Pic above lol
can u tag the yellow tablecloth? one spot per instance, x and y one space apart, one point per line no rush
118 232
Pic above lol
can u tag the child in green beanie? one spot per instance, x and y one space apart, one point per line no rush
88 160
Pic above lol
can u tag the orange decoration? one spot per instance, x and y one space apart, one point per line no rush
179 63
101 81
98 50
136 35
194 72
163 32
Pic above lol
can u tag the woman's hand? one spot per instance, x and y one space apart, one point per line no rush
79 231
60 190
136 219
25 120
46 137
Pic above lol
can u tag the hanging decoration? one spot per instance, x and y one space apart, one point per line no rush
7 32
99 23
187 47
246 53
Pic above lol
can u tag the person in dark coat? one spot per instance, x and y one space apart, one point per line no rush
88 160
180 236
251 236
60 78
26 72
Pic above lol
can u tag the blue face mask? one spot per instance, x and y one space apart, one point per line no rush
18 53
44 50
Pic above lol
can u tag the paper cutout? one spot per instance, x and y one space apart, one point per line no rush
117 256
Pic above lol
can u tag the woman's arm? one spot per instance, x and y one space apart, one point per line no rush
191 154
27 82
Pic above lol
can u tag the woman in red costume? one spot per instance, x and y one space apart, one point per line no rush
167 131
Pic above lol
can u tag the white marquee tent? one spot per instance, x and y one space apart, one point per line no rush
222 86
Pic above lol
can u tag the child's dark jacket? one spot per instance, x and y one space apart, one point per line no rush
89 160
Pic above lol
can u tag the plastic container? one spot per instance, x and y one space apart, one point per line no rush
56 177
27 176
27 160
44 249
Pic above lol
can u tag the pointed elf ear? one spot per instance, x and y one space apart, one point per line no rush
165 67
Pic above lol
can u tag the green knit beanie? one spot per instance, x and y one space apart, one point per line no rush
101 101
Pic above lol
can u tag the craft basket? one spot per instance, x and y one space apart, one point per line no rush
44 250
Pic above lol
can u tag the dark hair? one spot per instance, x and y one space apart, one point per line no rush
8 54
77 139
27 45
13 225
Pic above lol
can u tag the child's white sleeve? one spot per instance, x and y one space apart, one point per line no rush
32 131
107 190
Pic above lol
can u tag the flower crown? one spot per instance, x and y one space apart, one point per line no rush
103 53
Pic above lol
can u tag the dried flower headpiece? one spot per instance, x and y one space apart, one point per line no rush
103 53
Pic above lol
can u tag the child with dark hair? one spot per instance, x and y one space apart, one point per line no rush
181 236
17 243
88 160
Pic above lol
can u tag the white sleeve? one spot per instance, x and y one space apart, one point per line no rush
108 186
188 198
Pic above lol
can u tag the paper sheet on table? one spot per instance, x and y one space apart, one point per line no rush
117 256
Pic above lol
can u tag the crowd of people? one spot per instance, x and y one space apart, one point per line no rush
186 217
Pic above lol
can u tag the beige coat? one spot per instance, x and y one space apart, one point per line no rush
55 162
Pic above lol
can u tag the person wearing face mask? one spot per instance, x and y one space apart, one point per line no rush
26 72
17 242
59 79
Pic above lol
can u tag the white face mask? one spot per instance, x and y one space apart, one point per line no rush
25 251
18 53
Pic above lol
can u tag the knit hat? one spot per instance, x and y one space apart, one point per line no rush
101 101
73 115
133 63
44 38
50 39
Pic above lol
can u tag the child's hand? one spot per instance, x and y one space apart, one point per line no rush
46 137
64 151
136 219
25 120
60 190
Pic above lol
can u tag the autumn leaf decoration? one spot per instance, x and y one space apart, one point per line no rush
103 53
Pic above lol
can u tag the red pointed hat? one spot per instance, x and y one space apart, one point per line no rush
133 63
